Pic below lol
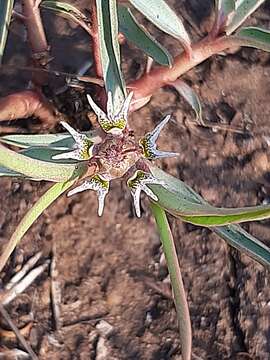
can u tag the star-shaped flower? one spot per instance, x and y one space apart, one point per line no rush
113 123
97 183
149 146
116 155
83 146
137 183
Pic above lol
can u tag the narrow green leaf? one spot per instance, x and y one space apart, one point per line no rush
67 11
110 51
224 12
203 214
244 8
163 17
46 154
190 96
64 8
176 280
225 7
39 170
243 241
136 34
6 7
4 172
62 141
226 216
233 234
254 37
36 210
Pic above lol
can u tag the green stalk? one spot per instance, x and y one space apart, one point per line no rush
176 280
30 217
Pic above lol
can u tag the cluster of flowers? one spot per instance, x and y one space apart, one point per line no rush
117 155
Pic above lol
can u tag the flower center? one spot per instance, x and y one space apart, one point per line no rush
117 155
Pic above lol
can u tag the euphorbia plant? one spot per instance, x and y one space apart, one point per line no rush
92 159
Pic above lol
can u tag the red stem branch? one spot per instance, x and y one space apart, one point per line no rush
36 38
148 84
35 31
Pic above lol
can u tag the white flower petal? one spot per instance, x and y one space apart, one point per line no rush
84 186
136 201
110 110
154 134
123 113
75 134
149 192
100 113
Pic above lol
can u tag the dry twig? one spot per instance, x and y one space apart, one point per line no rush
22 340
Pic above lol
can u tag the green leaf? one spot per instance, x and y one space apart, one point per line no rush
224 12
67 11
225 7
190 96
254 37
224 216
9 173
110 51
244 8
176 280
46 154
35 211
63 141
161 15
172 199
40 170
136 34
233 234
243 241
6 7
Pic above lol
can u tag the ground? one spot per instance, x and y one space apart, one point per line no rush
111 268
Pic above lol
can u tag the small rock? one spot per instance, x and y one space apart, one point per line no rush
105 328
260 162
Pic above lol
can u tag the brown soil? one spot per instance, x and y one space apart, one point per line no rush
111 268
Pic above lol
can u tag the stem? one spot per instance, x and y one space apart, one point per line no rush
31 216
34 26
36 38
16 331
96 42
148 84
176 280
27 103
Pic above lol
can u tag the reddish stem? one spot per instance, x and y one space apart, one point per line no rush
28 103
36 38
148 84
35 30
95 42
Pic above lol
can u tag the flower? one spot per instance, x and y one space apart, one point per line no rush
149 146
117 155
137 183
97 183
83 146
112 123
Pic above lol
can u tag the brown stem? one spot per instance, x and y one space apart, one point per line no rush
148 84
